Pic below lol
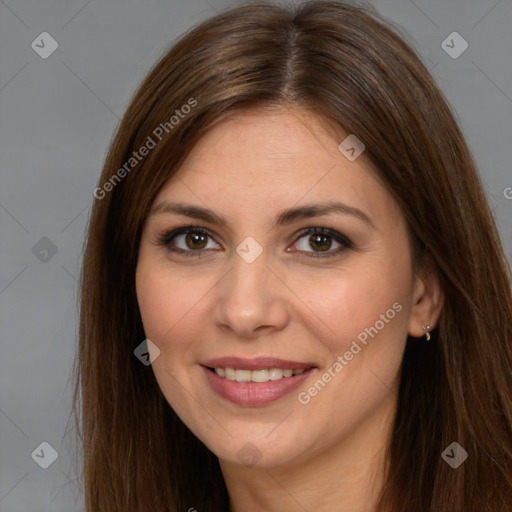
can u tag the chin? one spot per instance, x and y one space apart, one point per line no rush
257 450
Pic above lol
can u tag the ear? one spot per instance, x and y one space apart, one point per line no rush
427 302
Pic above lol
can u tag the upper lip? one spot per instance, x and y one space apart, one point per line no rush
256 363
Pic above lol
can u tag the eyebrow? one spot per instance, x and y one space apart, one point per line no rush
284 217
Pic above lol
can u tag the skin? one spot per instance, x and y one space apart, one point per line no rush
326 454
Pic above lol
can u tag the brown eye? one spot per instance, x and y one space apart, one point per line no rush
320 242
196 241
188 240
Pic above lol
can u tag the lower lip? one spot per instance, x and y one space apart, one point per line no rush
253 394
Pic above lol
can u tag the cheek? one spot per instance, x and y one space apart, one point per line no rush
358 304
164 304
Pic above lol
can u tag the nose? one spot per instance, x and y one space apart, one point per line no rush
251 300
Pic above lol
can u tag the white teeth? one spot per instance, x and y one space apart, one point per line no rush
263 375
275 374
243 375
259 375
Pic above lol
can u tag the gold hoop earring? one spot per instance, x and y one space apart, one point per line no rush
426 328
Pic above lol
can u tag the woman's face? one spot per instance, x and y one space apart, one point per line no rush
289 257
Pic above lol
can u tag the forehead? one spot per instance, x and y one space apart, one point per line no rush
275 159
269 135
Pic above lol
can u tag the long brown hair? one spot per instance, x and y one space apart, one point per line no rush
346 64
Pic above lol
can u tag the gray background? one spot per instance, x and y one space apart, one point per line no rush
57 117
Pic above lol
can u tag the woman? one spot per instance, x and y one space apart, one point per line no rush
294 296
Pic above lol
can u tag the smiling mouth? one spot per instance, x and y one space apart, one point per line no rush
257 382
260 375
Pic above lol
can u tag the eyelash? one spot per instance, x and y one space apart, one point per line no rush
165 238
